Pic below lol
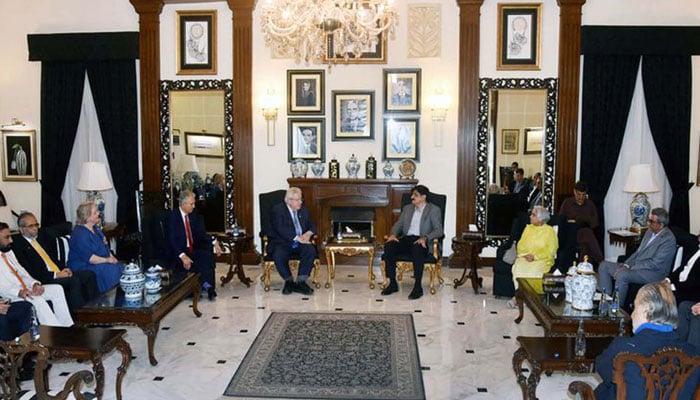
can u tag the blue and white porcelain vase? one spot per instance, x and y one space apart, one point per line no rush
299 168
153 280
639 210
318 167
568 281
388 169
132 281
353 167
583 286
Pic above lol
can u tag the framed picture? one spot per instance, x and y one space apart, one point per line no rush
204 144
533 140
509 141
19 152
375 53
305 91
401 139
307 139
196 42
176 137
519 37
353 115
402 90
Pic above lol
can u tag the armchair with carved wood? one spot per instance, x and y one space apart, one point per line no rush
667 374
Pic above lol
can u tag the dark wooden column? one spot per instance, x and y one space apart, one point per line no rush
567 118
469 14
149 64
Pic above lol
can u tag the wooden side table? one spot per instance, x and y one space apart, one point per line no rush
624 237
236 245
332 246
468 246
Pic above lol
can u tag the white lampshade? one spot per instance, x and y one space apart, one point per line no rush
188 163
93 177
641 179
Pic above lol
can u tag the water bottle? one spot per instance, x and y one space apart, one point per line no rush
34 332
615 304
580 344
603 306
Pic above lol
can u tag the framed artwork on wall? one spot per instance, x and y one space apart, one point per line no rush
519 27
306 139
509 141
401 139
533 140
305 91
204 144
19 153
375 53
353 115
196 42
402 90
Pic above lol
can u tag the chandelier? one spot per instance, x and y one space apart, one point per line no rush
301 29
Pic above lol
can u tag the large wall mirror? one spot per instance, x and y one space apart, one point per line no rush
517 122
197 146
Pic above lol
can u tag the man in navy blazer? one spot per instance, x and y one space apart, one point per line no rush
291 233
193 251
412 235
650 263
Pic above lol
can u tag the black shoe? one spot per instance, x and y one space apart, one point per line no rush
211 293
288 287
303 288
416 293
392 288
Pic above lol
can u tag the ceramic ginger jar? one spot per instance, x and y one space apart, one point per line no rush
583 286
153 280
568 281
132 281
353 167
299 168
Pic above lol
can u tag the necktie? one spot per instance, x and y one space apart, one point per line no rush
190 245
14 271
49 262
297 225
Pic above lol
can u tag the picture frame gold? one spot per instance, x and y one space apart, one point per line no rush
353 115
204 144
533 140
519 36
19 156
509 141
402 90
196 42
375 55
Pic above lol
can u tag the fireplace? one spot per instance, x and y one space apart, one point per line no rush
353 219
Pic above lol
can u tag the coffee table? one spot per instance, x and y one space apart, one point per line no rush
348 248
553 354
111 308
558 318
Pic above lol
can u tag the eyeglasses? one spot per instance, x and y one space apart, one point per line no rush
651 221
31 226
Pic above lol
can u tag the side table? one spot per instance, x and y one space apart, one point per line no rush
469 245
624 237
236 245
332 246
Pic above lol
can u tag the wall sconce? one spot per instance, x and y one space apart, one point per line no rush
268 103
438 103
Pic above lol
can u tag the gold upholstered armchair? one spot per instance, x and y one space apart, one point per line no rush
267 201
664 373
433 264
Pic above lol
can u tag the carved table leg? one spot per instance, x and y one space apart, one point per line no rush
99 370
370 271
533 380
519 302
519 356
151 331
330 267
239 266
125 350
229 275
195 299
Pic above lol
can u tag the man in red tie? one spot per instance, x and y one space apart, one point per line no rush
190 247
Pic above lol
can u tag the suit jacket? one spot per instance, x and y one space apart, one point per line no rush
430 221
689 290
177 238
282 226
31 260
657 256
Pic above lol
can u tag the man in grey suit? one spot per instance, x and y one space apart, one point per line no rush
419 223
650 263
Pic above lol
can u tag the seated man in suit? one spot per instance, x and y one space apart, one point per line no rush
650 263
190 247
419 223
292 230
581 210
521 185
685 280
16 284
689 322
15 318
37 253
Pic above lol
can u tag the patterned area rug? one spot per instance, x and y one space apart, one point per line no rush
332 356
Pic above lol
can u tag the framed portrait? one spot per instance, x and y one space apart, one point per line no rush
19 151
519 38
196 42
401 139
375 53
509 141
305 91
353 115
533 140
306 139
402 90
176 137
204 144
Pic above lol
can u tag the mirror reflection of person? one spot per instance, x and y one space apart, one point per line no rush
401 96
305 95
306 143
353 120
581 211
401 141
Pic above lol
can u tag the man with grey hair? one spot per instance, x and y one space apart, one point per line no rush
190 247
650 263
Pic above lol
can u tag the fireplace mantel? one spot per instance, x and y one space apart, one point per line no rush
383 195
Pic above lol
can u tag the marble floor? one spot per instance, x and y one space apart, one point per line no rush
466 341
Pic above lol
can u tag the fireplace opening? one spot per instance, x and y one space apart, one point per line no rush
356 219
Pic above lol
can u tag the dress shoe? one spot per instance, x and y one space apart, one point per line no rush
211 293
391 288
416 293
288 287
303 288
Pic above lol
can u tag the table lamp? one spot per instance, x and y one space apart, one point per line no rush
93 180
640 180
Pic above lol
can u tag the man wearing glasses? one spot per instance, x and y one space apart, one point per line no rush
650 263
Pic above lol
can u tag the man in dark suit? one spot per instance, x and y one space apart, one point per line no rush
190 247
37 253
521 185
291 233
685 280
419 223
650 263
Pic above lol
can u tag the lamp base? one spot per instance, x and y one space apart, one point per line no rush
639 211
96 197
